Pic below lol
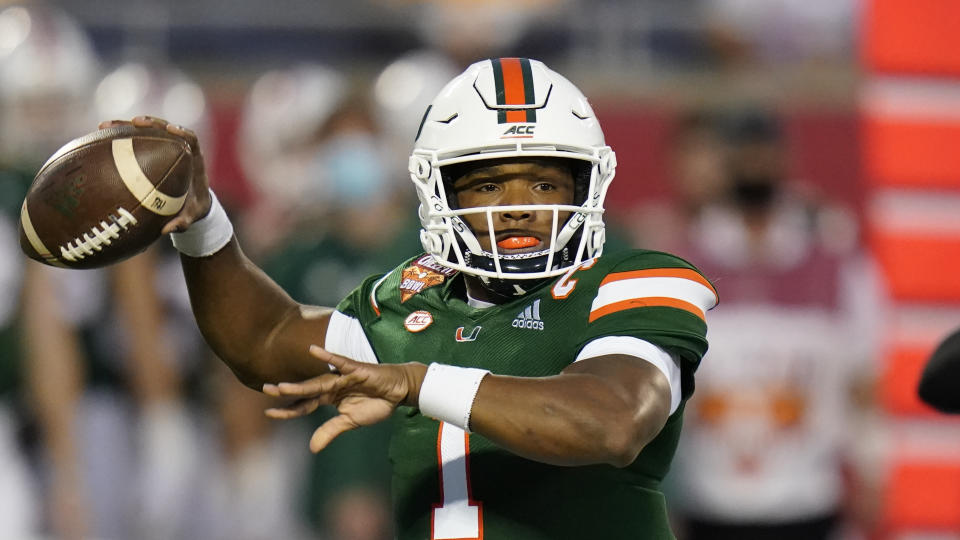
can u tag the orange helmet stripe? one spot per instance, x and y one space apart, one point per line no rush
514 84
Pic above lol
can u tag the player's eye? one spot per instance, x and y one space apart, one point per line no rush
545 186
488 187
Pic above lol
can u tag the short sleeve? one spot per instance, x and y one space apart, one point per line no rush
361 303
667 363
345 336
658 298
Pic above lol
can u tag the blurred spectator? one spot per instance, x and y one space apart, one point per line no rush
47 69
471 31
401 93
228 468
251 482
357 217
280 123
163 355
366 224
783 403
696 163
338 214
780 31
155 87
20 506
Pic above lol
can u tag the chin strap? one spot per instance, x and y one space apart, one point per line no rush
505 289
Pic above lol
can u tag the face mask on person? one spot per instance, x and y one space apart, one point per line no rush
349 170
753 193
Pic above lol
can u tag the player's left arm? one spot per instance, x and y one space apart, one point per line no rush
598 410
647 318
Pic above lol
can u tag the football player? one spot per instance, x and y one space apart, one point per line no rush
537 387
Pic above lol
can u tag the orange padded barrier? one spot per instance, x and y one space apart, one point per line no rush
924 495
919 267
905 153
912 36
898 384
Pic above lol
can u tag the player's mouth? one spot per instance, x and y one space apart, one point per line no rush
518 242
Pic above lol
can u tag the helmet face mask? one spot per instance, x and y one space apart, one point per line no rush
520 109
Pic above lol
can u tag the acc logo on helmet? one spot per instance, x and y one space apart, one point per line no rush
518 130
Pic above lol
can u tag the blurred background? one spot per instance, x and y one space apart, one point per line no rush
802 153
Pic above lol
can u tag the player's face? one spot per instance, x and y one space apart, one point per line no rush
515 183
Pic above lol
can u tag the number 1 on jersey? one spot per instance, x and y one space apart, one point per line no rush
458 516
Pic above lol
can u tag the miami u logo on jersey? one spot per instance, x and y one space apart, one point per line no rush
462 337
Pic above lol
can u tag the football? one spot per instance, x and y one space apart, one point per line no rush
105 197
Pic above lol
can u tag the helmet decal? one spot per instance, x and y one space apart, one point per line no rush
514 83
423 120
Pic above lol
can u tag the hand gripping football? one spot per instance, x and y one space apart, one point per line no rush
105 197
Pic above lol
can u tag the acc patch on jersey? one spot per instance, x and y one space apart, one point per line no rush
418 321
421 275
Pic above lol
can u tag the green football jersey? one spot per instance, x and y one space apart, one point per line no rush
417 312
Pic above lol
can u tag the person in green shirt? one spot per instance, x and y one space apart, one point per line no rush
536 385
317 263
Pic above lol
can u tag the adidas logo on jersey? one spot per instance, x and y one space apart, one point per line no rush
529 318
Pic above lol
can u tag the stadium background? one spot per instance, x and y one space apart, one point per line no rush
868 91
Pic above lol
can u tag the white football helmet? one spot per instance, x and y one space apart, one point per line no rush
402 92
281 117
158 89
508 108
48 67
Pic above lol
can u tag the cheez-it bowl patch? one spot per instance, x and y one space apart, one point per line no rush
421 275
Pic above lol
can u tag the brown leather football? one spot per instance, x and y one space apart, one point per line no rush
105 197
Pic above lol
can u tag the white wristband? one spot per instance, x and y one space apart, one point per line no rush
206 236
447 393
